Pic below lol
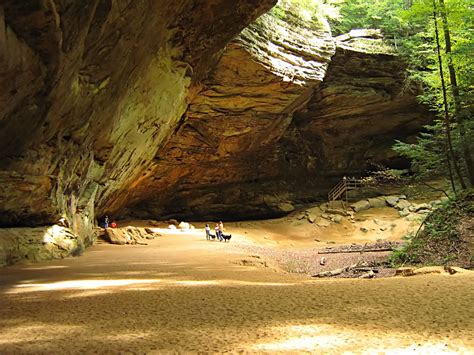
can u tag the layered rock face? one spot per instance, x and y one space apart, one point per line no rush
155 109
91 90
272 128
224 151
363 105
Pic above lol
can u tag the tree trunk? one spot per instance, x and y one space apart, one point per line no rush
450 152
456 97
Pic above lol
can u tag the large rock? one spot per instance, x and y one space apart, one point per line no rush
377 202
285 207
392 200
403 204
126 235
38 244
116 236
360 205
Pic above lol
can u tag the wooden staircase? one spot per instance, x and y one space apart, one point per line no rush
342 188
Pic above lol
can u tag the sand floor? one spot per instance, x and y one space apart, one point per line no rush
182 294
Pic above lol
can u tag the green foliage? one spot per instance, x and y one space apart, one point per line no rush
381 14
307 10
441 242
429 153
409 27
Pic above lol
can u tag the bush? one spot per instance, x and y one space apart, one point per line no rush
442 241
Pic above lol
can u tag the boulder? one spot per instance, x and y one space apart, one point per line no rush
391 200
336 211
421 206
377 202
402 204
403 213
285 207
116 236
323 223
183 225
413 217
360 205
337 219
312 218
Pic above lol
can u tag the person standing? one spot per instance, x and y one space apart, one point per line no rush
221 230
106 222
208 232
218 234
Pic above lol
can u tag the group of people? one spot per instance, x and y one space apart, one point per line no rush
107 224
219 230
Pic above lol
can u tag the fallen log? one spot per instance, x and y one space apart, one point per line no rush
366 269
354 251
335 272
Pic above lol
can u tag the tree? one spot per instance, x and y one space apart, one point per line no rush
454 103
458 113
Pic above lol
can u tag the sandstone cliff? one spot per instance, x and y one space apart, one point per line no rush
155 109
279 121
91 90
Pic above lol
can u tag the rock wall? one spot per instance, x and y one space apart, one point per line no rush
91 90
155 109
228 134
278 122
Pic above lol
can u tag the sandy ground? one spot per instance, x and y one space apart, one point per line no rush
183 294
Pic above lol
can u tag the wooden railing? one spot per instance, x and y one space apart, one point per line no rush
342 187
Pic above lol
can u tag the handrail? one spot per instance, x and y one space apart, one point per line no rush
341 187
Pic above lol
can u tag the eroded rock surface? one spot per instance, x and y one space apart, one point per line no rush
91 90
155 109
253 142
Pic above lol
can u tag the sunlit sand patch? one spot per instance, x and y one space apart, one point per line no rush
133 284
46 267
35 332
196 283
427 348
322 338
77 284
125 336
302 338
87 293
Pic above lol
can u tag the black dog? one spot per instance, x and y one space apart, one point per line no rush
226 237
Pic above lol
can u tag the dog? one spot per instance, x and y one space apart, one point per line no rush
226 237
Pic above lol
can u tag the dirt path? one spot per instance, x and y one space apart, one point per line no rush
184 294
